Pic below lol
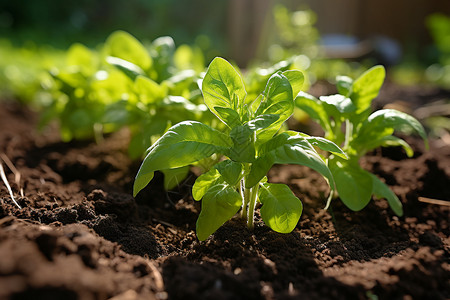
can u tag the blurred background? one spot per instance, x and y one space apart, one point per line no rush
324 37
241 30
68 59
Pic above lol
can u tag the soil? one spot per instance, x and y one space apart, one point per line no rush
81 235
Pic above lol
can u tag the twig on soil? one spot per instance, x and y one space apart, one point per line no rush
159 282
164 223
13 169
5 180
434 201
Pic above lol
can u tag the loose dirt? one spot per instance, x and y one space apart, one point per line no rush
81 235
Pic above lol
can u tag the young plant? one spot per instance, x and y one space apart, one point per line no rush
364 131
250 145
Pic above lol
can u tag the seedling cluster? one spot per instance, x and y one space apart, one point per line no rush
234 130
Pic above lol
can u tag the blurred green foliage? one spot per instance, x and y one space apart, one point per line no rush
431 65
60 23
295 39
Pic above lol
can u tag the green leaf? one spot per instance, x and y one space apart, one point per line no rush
128 68
281 209
124 46
148 90
220 203
353 184
381 190
116 113
204 182
261 122
222 86
314 108
296 79
140 143
344 85
183 144
231 171
326 145
383 122
230 117
278 100
391 141
367 87
173 177
82 57
341 103
243 149
285 149
397 120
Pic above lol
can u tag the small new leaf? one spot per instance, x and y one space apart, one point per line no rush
367 87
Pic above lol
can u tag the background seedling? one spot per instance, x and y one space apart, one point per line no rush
364 131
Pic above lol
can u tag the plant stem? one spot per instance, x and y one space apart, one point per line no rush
251 206
348 133
245 197
330 197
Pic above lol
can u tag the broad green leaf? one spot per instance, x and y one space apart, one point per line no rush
296 79
116 113
230 171
187 57
258 170
397 120
124 46
162 51
243 149
230 117
281 209
145 133
326 145
341 103
383 123
278 100
391 141
344 85
222 86
204 182
220 203
381 190
314 108
128 68
173 177
353 184
183 144
148 90
367 87
285 149
82 57
178 109
262 121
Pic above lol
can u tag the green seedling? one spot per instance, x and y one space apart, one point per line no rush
364 131
249 145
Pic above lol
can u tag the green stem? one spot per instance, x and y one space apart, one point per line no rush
330 197
348 133
245 194
251 206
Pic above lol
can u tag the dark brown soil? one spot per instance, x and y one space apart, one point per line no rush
81 235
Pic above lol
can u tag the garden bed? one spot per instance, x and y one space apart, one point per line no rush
81 235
